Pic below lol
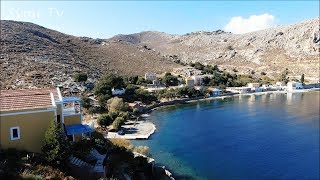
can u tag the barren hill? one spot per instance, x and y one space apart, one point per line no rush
32 55
295 47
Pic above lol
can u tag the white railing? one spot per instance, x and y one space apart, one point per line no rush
70 111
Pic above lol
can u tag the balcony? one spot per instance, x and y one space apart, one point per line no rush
71 106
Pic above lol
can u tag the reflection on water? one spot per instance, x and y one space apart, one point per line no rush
268 136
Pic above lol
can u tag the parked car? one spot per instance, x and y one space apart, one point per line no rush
121 132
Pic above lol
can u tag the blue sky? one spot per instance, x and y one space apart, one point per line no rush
104 19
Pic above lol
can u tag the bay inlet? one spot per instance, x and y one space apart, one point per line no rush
244 137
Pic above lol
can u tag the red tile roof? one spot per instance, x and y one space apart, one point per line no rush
27 99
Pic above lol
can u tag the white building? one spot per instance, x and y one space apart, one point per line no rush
255 87
118 91
294 85
150 76
240 90
197 80
280 83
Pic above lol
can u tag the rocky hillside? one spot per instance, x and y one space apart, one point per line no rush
32 55
295 47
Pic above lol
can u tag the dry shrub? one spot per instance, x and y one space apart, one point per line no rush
142 150
127 144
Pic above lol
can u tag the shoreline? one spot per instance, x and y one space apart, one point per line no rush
230 95
147 126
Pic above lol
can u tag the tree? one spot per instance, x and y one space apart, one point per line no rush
135 111
206 80
302 79
117 123
80 77
117 104
140 81
125 115
106 83
130 90
215 68
103 99
86 102
170 80
104 120
55 144
113 114
132 80
144 95
283 77
199 66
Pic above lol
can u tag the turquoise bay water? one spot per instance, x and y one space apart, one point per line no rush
274 136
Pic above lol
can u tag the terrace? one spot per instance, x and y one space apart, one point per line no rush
71 106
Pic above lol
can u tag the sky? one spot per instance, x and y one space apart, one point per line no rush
104 19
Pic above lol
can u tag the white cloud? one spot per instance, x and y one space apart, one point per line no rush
240 25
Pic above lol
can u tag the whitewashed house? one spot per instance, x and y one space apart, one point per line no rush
118 91
255 87
197 80
291 86
240 90
150 76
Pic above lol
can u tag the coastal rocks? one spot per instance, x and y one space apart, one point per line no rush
161 171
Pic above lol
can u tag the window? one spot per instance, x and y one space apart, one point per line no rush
14 133
58 119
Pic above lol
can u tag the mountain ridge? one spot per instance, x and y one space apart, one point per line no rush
32 55
269 50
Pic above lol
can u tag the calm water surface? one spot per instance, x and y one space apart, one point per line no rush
273 136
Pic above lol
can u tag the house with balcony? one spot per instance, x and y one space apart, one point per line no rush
25 116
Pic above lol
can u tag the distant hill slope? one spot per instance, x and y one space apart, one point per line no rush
32 55
295 47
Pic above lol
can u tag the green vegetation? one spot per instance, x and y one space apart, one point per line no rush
16 164
124 115
170 80
86 102
302 79
283 76
55 145
104 120
117 104
106 83
118 122
80 77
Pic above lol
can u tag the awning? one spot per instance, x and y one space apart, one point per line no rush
78 129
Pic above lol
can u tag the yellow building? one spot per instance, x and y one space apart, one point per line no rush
189 81
25 116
